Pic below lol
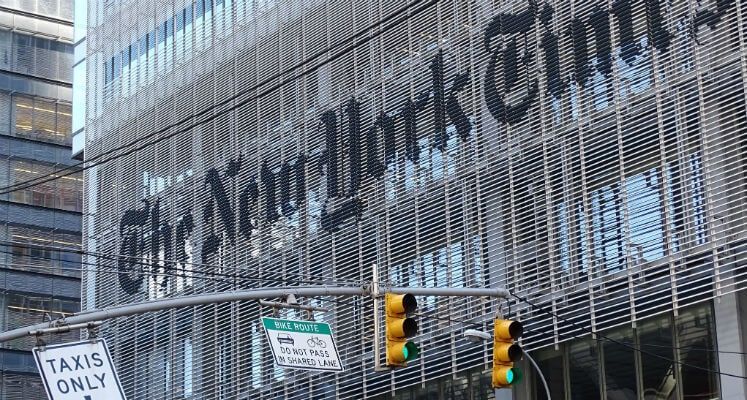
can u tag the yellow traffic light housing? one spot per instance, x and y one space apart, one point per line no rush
399 327
505 352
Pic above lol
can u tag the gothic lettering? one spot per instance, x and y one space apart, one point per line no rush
510 87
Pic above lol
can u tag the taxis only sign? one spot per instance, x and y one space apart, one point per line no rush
80 371
302 344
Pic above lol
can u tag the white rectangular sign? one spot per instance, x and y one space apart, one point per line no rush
302 344
78 371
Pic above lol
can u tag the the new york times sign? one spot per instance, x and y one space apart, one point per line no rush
510 73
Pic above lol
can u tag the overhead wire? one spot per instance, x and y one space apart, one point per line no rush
146 261
92 162
230 278
601 338
280 75
624 344
482 323
428 315
224 278
590 276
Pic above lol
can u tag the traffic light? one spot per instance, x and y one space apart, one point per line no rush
505 352
399 327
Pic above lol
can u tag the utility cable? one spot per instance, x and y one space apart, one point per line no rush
192 274
222 278
227 277
211 276
145 261
545 310
92 162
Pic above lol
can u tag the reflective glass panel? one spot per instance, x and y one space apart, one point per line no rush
655 339
619 366
550 362
583 368
695 330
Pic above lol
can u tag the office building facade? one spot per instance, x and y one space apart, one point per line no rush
587 156
39 277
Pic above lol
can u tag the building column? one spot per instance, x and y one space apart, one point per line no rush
731 324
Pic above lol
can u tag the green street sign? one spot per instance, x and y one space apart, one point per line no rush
302 344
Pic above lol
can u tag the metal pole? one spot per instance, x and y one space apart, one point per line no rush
66 328
447 291
375 294
278 304
187 301
539 371
239 295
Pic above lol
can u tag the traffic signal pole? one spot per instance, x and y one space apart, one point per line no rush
539 372
126 310
118 311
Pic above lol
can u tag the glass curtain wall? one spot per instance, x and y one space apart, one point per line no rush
40 222
667 367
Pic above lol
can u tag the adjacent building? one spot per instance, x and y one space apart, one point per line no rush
588 156
40 224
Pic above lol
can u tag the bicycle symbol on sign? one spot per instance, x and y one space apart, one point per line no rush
315 341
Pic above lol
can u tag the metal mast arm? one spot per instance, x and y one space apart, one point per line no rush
239 295
187 301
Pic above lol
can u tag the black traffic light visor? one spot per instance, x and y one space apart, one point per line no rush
409 303
409 327
516 329
515 352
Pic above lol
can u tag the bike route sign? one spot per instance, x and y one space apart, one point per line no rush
302 344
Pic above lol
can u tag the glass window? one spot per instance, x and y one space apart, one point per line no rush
695 331
620 366
645 216
5 110
200 8
64 193
23 115
655 338
21 386
5 49
607 220
143 45
188 360
45 61
40 119
188 16
45 119
23 310
23 54
117 66
31 250
180 20
41 57
163 32
550 362
583 368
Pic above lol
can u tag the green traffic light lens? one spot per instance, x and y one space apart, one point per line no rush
518 374
410 351
510 376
